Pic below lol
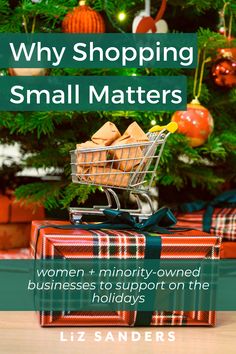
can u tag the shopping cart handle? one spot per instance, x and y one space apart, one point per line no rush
171 127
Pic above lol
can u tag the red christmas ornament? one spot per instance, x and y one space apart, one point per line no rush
196 123
83 19
224 70
144 23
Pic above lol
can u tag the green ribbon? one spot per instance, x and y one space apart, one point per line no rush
160 222
224 200
152 251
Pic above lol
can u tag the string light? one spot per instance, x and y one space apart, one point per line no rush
121 16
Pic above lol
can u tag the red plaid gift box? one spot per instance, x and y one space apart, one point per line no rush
52 242
223 222
15 222
228 250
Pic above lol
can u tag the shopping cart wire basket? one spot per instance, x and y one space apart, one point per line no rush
130 167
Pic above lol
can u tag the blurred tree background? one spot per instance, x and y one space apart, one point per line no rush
46 138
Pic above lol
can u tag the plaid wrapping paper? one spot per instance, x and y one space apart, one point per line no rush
223 222
52 242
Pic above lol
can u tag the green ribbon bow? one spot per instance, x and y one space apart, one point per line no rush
159 222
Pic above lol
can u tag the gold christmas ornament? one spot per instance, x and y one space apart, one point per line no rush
27 71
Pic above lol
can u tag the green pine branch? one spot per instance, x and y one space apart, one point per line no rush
46 138
53 194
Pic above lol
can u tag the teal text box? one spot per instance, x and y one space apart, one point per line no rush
117 284
178 50
93 93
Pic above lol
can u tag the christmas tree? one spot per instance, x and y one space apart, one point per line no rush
46 138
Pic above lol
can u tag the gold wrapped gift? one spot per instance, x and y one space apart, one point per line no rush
109 176
129 157
81 171
125 155
84 158
134 131
106 134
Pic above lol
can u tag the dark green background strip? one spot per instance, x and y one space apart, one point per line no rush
69 285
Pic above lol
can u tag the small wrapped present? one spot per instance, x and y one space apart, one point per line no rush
95 242
15 222
131 155
116 155
126 158
217 217
106 134
86 155
109 176
134 131
83 172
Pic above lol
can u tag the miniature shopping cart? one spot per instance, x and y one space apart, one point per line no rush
131 167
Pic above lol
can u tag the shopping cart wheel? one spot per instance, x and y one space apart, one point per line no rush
75 217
